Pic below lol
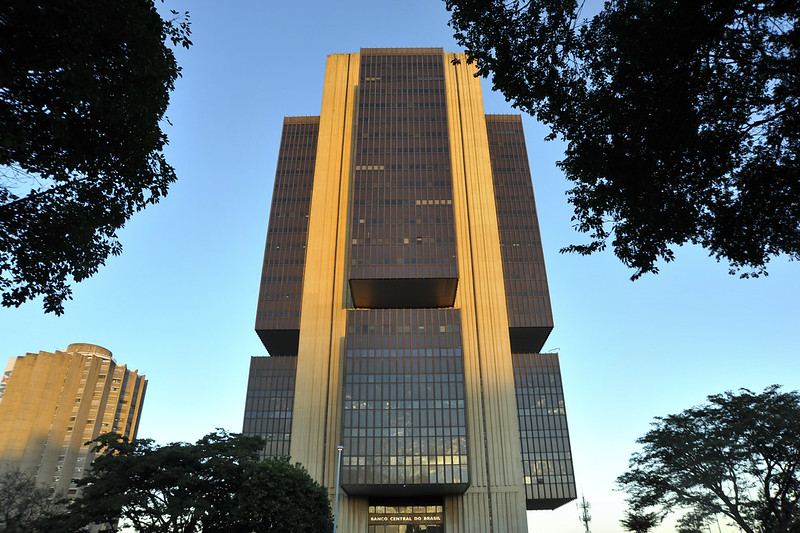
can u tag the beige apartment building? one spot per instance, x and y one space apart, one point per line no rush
51 404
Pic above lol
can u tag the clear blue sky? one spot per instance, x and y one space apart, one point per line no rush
179 304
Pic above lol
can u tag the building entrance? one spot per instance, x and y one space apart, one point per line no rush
406 519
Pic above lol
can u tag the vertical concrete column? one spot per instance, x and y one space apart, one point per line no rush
494 428
322 315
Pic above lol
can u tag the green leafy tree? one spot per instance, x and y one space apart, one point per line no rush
24 506
175 488
737 455
216 485
639 522
84 85
681 119
281 497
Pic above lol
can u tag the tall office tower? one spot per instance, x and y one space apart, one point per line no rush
404 304
54 403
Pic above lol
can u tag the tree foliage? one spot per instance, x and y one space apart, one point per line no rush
24 506
639 522
737 455
693 522
84 85
216 485
179 487
681 119
281 497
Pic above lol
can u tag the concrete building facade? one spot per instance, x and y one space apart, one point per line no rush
404 303
53 403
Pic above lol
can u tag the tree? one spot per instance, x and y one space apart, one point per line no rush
216 485
738 455
281 497
24 506
681 119
84 85
693 522
639 522
179 487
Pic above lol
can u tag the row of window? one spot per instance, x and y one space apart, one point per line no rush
393 150
442 167
380 124
407 378
393 91
401 78
413 361
397 422
285 172
365 104
396 404
286 159
383 202
276 229
418 448
380 352
281 278
380 260
542 447
372 64
440 431
290 146
406 389
404 475
269 402
426 134
408 460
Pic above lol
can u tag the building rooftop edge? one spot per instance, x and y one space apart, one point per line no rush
301 119
87 348
396 50
505 117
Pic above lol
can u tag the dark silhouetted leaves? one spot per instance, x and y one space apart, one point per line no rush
681 119
738 455
84 85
